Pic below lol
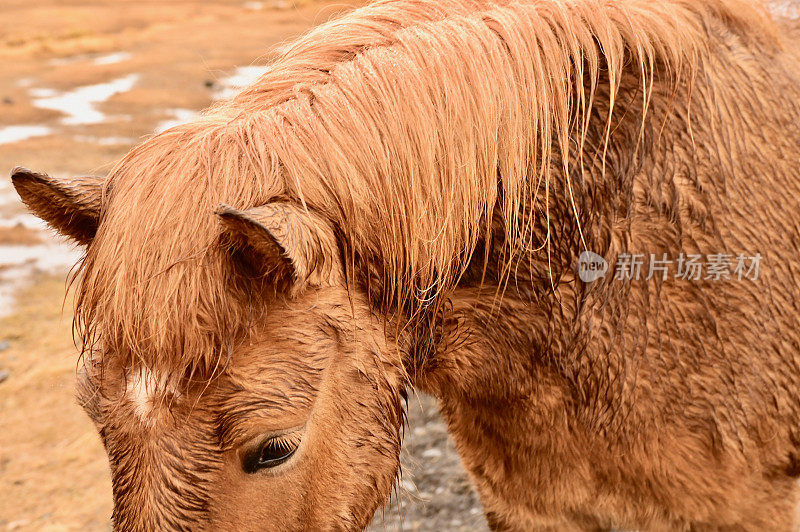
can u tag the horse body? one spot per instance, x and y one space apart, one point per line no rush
395 215
650 405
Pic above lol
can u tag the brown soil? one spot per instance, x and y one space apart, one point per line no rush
19 235
53 471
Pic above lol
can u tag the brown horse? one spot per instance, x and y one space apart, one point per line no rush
574 222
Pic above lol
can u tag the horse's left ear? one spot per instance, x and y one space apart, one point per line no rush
70 206
285 240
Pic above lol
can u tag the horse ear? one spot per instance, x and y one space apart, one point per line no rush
70 206
285 240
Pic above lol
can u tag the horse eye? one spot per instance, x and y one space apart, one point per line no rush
271 453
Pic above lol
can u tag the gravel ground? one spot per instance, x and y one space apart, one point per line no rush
436 493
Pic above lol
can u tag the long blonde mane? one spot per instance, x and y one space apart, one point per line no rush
406 124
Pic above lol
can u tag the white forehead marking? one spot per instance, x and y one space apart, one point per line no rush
140 390
143 389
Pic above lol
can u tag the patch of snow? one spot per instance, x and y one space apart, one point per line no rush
241 78
784 8
80 105
7 197
110 59
433 452
18 263
51 257
16 133
179 116
97 59
26 220
70 59
105 141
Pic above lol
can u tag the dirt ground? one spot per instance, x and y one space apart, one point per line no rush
129 67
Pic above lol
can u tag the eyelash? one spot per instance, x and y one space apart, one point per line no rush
271 452
286 442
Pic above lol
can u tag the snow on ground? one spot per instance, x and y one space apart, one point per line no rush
80 104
